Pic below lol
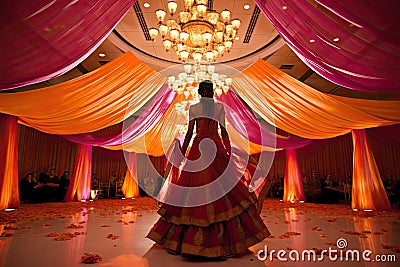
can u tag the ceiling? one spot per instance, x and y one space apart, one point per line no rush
257 40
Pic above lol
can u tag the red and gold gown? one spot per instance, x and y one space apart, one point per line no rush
226 226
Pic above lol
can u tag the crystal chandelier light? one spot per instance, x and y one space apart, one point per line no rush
187 82
199 33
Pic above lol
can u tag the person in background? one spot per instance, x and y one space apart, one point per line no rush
63 185
28 186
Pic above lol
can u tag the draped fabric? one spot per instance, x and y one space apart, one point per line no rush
79 187
368 192
44 39
88 103
247 125
366 55
150 116
130 187
304 111
9 194
162 134
293 186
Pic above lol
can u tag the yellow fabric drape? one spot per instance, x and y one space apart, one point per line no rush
130 187
88 103
79 188
9 194
293 186
368 192
305 112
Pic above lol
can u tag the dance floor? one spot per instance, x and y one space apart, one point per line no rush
59 234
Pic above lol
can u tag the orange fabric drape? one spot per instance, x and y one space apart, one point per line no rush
79 188
88 103
368 192
293 186
130 187
9 195
305 112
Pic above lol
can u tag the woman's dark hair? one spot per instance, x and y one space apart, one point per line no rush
207 93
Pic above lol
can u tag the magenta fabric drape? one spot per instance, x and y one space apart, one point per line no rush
247 125
43 39
9 194
146 120
366 55
368 192
79 187
293 186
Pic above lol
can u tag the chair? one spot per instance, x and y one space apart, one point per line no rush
118 189
105 189
347 192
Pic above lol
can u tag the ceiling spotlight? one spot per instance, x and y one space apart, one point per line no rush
246 6
336 39
284 7
102 55
146 5
312 41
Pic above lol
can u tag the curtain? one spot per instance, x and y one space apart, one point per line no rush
44 39
88 103
37 150
293 186
132 129
247 125
301 110
365 56
79 187
130 187
368 192
9 195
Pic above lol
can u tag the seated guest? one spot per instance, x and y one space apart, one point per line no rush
329 193
28 186
49 184
95 182
63 185
312 188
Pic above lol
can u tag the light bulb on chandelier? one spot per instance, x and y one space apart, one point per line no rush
196 32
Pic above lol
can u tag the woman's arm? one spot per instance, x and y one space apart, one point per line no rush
224 133
188 135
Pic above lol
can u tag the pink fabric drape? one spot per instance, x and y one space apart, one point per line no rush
79 187
366 55
368 192
293 186
130 187
146 120
247 125
9 195
43 39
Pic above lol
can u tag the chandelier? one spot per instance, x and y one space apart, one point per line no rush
199 33
186 83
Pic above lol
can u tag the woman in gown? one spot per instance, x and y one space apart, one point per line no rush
222 227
